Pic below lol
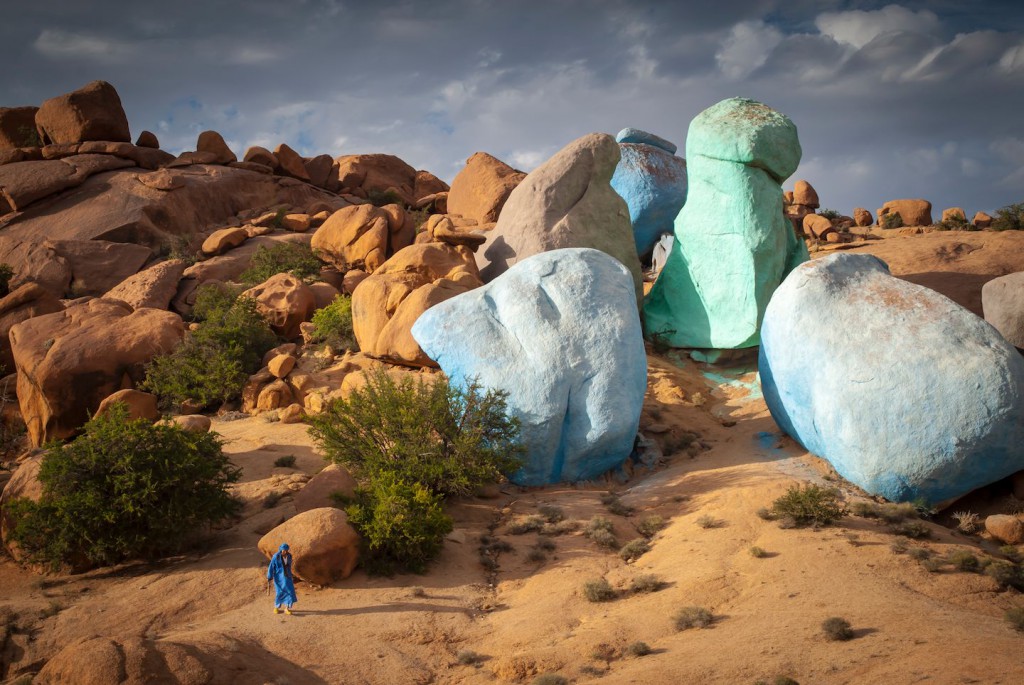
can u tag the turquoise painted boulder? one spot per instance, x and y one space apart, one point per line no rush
733 245
652 181
559 332
906 393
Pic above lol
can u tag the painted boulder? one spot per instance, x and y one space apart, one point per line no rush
733 245
559 332
652 181
906 393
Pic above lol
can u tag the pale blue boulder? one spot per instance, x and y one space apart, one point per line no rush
733 245
652 181
560 333
906 393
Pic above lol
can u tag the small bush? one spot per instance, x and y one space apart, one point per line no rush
916 530
892 220
708 522
604 652
332 325
693 617
468 657
962 560
967 521
560 528
919 553
402 525
955 223
766 514
645 583
380 198
285 462
450 440
638 649
6 274
897 513
599 529
1006 574
1012 553
123 490
598 591
526 524
829 214
758 553
214 362
931 564
837 629
809 505
550 679
29 137
650 525
899 547
614 505
284 257
634 549
1009 218
1016 618
551 513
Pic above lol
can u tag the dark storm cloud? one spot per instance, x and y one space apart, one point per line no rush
908 99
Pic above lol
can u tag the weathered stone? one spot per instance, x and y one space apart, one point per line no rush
293 413
25 302
316 493
261 155
93 112
324 547
805 194
738 152
196 423
141 405
18 127
285 301
281 365
480 189
1006 529
224 239
213 143
982 221
954 214
913 212
319 169
290 163
148 139
377 173
354 237
154 287
23 183
300 223
817 226
862 217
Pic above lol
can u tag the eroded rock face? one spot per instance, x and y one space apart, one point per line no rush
1002 300
23 183
154 287
285 301
862 412
388 302
559 332
324 546
354 238
93 112
480 190
652 181
25 302
69 361
733 245
566 202
377 173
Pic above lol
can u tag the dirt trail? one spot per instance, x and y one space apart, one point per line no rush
911 625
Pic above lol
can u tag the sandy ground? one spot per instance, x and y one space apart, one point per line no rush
725 459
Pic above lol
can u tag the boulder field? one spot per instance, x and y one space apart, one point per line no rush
908 395
558 332
733 245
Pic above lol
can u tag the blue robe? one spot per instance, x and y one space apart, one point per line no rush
280 571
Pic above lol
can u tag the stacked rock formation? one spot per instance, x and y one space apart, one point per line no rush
738 153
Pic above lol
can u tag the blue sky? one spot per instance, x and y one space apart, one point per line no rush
915 99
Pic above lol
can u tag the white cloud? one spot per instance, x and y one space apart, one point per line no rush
860 27
1013 59
746 48
58 44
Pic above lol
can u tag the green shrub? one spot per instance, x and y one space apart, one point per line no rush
124 489
296 259
1008 575
837 629
892 220
214 362
829 214
693 617
955 223
468 657
634 549
287 462
599 529
707 521
598 590
650 525
551 513
29 137
332 325
809 505
402 525
645 583
379 198
962 560
1016 618
1009 218
638 649
615 505
448 439
6 274
917 530
757 552
1012 553
526 524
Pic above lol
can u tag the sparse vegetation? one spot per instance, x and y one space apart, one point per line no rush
450 440
962 560
1006 574
296 259
1009 218
809 505
638 649
402 524
1012 553
214 362
899 546
598 591
955 223
6 274
645 583
380 198
829 214
550 679
892 220
693 617
967 522
758 553
332 325
599 529
634 549
614 505
708 522
29 137
468 657
650 525
124 489
526 524
287 462
916 530
1015 616
837 629
551 513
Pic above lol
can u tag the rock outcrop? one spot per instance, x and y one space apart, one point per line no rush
93 112
362 237
566 202
324 546
388 302
154 287
69 361
25 302
913 212
733 245
862 412
480 189
558 332
652 181
285 301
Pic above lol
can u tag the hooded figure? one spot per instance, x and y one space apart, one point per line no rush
280 572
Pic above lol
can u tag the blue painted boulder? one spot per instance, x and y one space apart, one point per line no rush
560 333
733 244
652 181
906 393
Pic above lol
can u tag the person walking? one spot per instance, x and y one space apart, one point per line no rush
279 572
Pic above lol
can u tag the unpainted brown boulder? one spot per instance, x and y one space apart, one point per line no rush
154 287
25 302
93 112
862 217
285 301
324 546
141 405
377 173
212 142
914 212
316 493
480 190
805 194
